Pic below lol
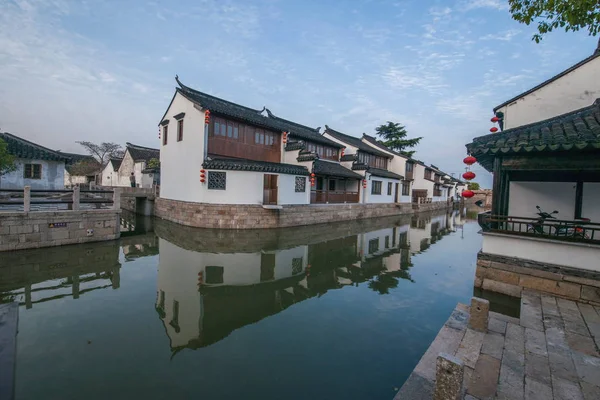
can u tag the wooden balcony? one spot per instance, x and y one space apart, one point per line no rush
335 196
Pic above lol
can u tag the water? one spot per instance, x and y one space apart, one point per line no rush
322 312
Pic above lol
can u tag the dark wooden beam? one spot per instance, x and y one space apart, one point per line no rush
497 186
573 161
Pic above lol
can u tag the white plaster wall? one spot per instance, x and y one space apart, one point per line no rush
591 202
71 180
125 170
416 235
574 255
383 197
287 190
53 176
379 235
109 176
181 162
405 199
577 89
419 180
242 187
550 196
147 180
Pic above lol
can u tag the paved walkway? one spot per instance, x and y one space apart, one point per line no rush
551 352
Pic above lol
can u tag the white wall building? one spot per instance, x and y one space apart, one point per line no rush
135 160
572 89
110 173
36 166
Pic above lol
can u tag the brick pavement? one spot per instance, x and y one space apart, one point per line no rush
551 352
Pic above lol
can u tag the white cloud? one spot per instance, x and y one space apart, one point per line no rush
505 36
106 77
495 4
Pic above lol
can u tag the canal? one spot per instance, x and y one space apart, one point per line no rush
336 311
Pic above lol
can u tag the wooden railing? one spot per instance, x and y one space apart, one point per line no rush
23 199
557 229
336 196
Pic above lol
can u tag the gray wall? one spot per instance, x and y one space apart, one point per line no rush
53 176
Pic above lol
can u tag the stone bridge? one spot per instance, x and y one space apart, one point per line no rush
135 199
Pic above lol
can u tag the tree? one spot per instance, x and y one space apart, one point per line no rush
7 160
153 163
572 15
104 151
393 135
473 186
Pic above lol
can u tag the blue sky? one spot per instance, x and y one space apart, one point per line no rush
104 70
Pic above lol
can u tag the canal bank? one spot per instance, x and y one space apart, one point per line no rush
357 294
237 216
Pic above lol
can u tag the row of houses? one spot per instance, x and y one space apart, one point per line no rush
42 168
216 151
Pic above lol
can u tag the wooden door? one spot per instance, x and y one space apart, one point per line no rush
396 194
270 190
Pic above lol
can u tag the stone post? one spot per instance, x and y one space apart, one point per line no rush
76 194
27 199
480 310
449 372
116 198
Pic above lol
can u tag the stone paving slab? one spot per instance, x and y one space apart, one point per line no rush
550 353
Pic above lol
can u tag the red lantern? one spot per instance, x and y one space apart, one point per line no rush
200 278
342 152
312 175
364 183
469 175
202 171
285 135
467 194
493 129
202 180
470 160
207 117
495 119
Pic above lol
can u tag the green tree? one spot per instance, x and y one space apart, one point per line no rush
7 160
393 135
572 15
153 163
473 186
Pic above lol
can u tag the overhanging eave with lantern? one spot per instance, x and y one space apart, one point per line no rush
546 180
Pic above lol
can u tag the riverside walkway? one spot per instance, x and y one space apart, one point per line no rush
551 352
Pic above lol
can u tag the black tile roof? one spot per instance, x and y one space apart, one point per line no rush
290 146
555 77
306 155
253 116
236 164
379 144
348 157
330 168
574 131
22 148
75 158
116 163
141 153
356 142
384 173
303 132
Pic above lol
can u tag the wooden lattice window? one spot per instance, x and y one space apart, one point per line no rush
217 180
300 184
32 171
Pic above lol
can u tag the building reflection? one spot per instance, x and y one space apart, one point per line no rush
41 275
212 283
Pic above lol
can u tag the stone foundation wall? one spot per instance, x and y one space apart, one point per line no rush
128 203
510 276
436 205
20 230
227 216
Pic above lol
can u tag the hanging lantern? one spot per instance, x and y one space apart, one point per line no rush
159 132
364 183
469 175
342 152
202 180
312 175
200 278
467 194
207 117
493 129
285 135
495 119
470 160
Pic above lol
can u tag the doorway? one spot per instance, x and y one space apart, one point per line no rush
270 190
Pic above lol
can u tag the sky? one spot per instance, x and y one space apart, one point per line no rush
104 70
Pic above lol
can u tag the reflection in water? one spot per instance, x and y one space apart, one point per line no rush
331 311
40 275
204 295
